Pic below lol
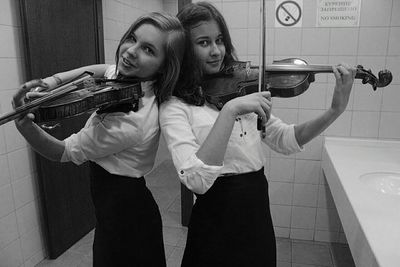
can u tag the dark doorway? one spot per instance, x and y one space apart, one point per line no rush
58 36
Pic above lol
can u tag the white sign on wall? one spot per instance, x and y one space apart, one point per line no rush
288 13
338 13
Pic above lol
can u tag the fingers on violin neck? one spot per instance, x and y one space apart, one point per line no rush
24 89
34 83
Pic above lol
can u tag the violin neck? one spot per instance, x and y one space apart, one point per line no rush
298 68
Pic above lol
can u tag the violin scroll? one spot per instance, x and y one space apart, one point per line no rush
384 77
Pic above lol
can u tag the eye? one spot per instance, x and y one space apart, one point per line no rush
219 41
131 38
204 43
148 50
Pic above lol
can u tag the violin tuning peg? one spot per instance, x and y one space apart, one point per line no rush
365 80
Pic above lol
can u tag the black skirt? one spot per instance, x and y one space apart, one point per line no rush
128 222
231 224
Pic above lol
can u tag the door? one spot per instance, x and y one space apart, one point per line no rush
57 36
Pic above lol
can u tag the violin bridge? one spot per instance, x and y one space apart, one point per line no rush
89 83
248 70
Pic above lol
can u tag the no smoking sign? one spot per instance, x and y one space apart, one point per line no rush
288 13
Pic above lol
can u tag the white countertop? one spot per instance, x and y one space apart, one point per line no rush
370 219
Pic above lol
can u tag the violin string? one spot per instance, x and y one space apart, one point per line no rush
63 90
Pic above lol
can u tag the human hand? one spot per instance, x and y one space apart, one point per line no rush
42 89
21 98
259 103
344 82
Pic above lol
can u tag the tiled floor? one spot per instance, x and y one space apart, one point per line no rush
165 187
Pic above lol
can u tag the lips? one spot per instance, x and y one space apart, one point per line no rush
214 62
127 62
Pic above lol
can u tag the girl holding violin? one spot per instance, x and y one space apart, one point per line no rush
120 144
219 154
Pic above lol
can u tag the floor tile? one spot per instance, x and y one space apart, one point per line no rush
341 255
177 254
311 253
173 263
182 242
67 259
284 249
172 235
283 264
86 262
84 246
176 257
163 198
168 250
305 265
176 205
172 219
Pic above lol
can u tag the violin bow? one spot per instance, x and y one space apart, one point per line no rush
261 73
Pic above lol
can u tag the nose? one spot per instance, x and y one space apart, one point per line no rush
132 50
215 51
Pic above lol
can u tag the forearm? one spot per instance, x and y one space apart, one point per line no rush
42 142
306 131
61 77
212 151
344 81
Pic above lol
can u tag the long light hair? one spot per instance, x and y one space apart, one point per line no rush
174 50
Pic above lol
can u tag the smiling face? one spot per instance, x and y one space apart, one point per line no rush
142 54
208 44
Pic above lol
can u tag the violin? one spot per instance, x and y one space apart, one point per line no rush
80 95
284 78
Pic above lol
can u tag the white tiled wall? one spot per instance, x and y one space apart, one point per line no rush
302 206
21 241
21 237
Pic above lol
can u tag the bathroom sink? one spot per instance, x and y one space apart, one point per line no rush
364 178
383 182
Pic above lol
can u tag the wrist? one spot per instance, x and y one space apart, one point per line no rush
24 122
52 81
57 79
230 110
338 107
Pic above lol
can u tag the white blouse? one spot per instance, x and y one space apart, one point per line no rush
122 143
185 127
